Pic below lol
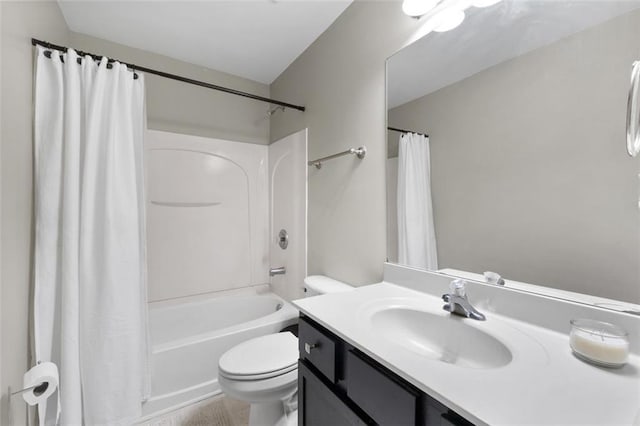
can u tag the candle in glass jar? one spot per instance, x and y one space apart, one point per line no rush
599 345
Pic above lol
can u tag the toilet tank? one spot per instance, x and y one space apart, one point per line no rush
315 285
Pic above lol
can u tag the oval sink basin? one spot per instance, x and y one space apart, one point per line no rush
447 338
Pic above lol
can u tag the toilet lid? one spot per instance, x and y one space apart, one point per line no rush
261 358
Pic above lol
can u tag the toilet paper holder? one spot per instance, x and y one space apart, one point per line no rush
38 384
37 389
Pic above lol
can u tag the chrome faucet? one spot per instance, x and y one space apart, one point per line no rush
457 302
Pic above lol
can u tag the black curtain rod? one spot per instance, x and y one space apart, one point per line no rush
175 77
406 131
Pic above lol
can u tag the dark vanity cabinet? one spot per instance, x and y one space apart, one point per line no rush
339 385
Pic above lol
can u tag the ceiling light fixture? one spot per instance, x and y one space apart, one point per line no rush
447 20
417 8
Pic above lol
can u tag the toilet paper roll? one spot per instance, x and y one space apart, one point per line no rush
43 381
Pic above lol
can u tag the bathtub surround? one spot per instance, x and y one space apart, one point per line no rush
207 212
90 294
215 208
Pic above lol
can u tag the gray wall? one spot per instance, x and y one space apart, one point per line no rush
340 78
2 319
20 22
529 169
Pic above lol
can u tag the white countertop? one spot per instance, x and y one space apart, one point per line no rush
544 384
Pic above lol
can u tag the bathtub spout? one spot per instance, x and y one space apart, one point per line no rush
277 271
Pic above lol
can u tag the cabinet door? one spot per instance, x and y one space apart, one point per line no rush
319 406
438 414
318 347
386 398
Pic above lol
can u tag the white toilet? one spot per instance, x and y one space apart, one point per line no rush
264 371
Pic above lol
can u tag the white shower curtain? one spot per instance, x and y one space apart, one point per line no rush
416 232
89 267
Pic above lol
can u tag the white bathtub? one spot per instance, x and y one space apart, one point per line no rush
188 339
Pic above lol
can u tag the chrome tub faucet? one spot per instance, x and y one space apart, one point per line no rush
277 271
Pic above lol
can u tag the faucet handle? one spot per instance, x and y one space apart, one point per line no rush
493 278
457 287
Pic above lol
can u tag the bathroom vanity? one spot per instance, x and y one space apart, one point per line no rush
340 385
389 354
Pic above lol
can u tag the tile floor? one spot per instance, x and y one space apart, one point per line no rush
217 411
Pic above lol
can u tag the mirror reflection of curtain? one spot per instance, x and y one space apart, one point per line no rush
416 233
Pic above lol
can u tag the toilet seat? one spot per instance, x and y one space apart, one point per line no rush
262 376
260 358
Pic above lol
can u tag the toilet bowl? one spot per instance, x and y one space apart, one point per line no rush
264 371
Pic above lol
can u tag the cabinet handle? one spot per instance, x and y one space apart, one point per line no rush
308 347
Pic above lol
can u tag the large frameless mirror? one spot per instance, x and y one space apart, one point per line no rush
519 163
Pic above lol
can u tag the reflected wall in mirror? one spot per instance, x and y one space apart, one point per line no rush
525 107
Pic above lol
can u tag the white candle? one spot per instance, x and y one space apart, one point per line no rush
600 347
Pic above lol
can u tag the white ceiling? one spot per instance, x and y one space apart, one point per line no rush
488 37
255 39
